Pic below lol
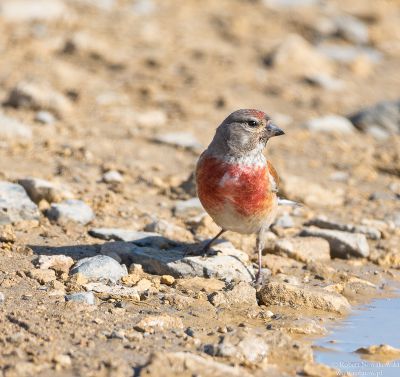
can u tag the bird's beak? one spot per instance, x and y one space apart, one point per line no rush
274 130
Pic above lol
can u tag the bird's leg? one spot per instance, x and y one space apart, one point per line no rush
204 250
207 246
260 247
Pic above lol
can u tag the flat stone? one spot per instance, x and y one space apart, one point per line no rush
330 123
179 139
279 293
304 249
70 210
13 129
2 298
324 223
342 244
174 262
310 193
39 97
296 56
39 189
250 348
117 291
383 116
100 267
58 263
242 295
82 297
188 364
118 234
15 205
159 322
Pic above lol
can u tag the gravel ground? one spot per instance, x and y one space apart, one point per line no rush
105 108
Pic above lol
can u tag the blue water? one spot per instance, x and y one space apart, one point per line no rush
373 324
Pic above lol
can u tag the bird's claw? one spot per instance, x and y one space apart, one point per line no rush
197 251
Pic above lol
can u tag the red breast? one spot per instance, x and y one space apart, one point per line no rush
247 187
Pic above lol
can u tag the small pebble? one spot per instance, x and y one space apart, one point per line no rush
85 297
167 280
112 176
45 117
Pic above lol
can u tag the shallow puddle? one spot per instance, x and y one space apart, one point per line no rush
372 324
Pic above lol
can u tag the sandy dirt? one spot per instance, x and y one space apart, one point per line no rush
188 65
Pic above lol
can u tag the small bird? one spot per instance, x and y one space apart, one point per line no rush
236 184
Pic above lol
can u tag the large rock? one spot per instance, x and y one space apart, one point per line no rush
13 129
174 262
70 210
100 267
39 189
342 244
304 249
380 120
296 56
15 205
306 297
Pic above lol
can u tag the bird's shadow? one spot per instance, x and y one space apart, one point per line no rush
167 251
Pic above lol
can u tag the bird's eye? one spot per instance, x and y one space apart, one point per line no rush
252 123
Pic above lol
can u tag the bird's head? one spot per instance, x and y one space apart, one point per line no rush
245 131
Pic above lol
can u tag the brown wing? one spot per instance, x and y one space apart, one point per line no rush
274 174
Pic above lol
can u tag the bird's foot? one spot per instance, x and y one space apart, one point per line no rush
259 280
199 250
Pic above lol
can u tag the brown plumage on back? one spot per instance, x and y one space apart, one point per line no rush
274 174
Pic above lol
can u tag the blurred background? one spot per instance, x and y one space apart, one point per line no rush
117 98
